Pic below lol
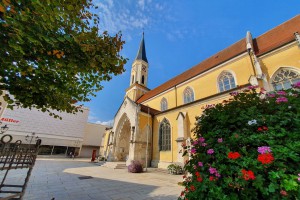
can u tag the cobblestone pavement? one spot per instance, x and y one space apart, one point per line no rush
59 179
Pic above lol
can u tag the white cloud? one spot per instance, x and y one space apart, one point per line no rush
159 6
141 4
122 16
106 123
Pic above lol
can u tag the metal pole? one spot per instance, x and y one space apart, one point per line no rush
147 141
52 150
67 151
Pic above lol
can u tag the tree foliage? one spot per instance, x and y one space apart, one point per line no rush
52 54
247 148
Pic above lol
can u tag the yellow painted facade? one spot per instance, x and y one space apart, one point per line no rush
241 68
170 127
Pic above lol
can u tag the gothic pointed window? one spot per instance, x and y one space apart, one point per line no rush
163 104
226 81
188 95
165 136
143 79
284 78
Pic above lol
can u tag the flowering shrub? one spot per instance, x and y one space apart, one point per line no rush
135 167
247 148
175 169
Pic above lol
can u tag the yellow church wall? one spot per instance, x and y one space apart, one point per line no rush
165 156
241 68
155 102
144 119
207 85
288 56
192 111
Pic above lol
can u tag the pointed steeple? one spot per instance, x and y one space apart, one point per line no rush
141 55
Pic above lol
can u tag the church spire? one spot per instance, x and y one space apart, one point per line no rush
141 55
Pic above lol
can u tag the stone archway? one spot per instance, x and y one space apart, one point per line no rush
122 140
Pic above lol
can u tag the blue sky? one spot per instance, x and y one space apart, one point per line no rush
178 35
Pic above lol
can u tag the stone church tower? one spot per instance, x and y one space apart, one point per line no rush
139 74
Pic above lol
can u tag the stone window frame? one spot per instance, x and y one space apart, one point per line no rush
188 95
222 86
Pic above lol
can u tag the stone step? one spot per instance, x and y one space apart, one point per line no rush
115 165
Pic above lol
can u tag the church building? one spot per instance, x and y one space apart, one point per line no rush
151 124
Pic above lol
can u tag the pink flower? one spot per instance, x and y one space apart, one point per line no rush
204 144
296 85
264 149
282 93
271 95
251 87
201 139
220 140
195 142
193 150
210 151
200 164
299 173
234 93
212 170
281 99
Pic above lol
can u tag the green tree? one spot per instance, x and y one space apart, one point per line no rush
52 54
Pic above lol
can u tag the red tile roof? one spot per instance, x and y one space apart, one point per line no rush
272 39
277 37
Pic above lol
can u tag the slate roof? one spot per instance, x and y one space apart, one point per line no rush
268 41
141 55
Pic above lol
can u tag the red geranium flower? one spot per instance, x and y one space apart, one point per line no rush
199 179
197 174
211 178
192 188
265 158
248 174
233 155
182 193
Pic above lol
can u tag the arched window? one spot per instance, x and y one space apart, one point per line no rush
143 79
132 79
165 136
284 78
188 95
226 81
163 104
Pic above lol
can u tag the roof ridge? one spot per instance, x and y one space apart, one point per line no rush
277 26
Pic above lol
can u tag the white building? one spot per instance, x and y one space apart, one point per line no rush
58 136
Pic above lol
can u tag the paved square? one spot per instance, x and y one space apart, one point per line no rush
60 179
